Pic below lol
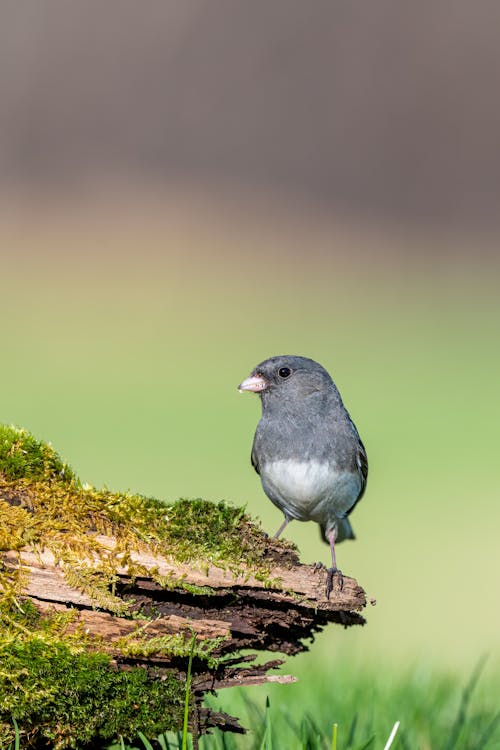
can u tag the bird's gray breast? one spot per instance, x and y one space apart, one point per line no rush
310 490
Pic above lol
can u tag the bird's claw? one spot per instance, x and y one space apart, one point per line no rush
332 572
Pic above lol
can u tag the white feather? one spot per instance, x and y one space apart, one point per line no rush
310 490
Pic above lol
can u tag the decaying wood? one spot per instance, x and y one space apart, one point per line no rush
241 610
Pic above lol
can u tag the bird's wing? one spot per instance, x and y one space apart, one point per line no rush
362 462
254 460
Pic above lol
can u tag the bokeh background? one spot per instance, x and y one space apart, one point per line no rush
189 188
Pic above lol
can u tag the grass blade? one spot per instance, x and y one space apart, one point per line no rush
147 744
489 731
188 694
464 705
267 742
163 741
392 735
334 737
366 744
17 743
352 730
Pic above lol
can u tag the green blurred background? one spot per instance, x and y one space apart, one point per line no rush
187 192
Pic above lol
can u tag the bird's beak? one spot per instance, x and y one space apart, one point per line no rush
255 383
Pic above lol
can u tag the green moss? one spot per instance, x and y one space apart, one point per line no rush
71 698
59 683
55 509
62 688
67 518
137 644
23 456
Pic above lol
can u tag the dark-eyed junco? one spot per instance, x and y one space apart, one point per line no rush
308 453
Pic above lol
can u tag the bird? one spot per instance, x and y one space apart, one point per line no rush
311 461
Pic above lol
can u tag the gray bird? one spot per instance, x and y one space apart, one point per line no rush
310 458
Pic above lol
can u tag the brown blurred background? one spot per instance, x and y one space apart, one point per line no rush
380 109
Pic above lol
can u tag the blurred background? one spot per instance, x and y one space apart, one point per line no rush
189 188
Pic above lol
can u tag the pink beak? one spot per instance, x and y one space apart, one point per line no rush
255 383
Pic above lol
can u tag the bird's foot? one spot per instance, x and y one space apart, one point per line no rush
317 566
332 572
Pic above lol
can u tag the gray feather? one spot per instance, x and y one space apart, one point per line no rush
306 448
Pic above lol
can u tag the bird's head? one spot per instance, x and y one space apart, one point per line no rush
287 377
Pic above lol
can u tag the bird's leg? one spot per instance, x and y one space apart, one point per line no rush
285 523
333 571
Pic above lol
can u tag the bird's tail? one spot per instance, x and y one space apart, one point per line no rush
344 531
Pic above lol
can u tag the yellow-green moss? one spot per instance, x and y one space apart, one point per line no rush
54 507
22 456
63 687
69 699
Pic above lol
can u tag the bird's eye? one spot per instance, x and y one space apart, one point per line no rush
284 372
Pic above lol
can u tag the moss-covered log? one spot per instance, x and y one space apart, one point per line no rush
114 590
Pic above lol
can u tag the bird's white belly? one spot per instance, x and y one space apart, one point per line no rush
310 490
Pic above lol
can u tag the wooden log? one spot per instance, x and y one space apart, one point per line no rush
240 609
145 599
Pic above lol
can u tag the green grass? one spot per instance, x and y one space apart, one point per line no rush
435 711
351 710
